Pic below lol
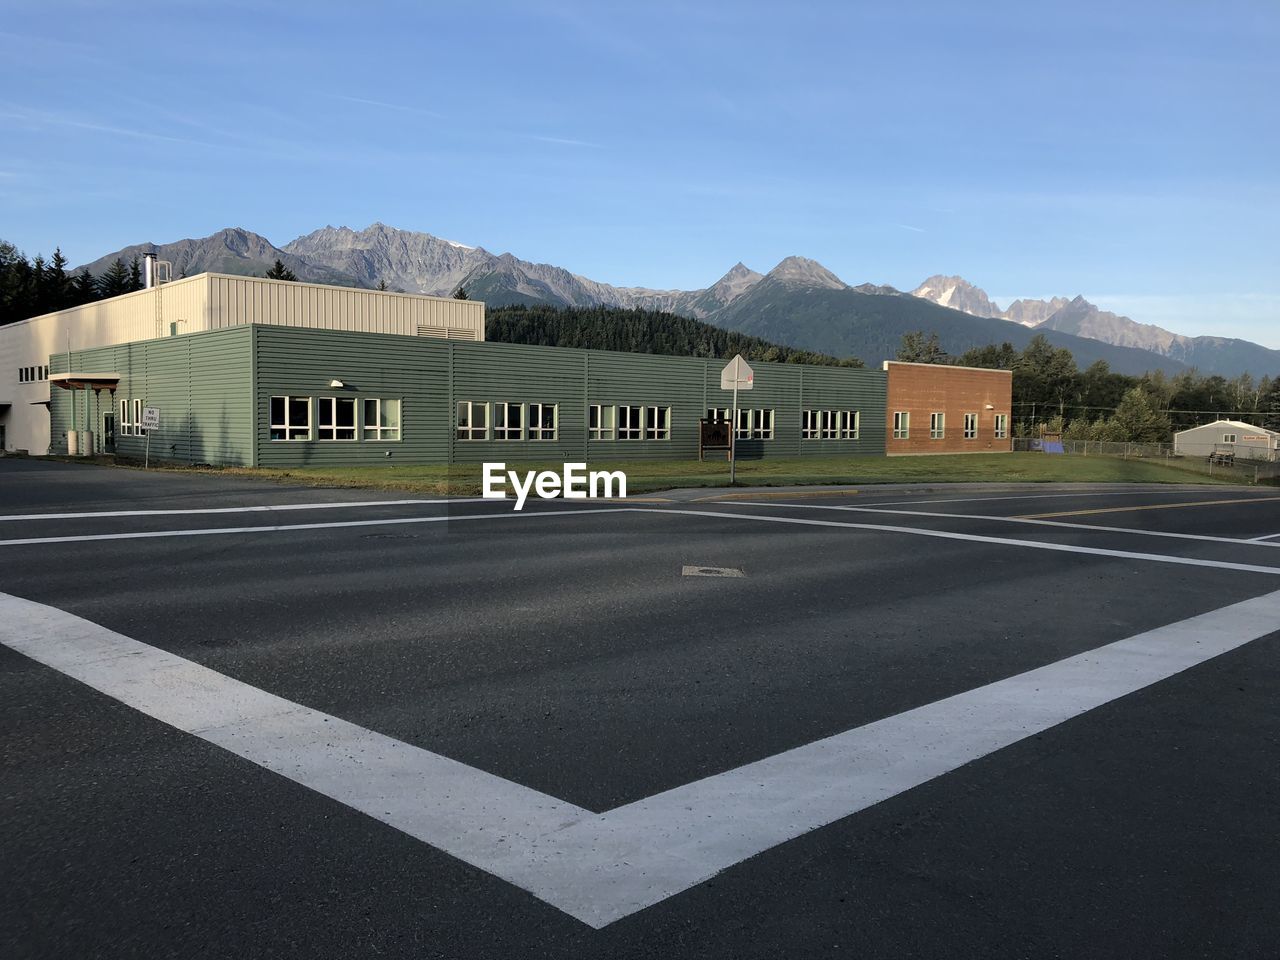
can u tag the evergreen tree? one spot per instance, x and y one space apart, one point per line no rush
39 295
115 280
1269 406
917 348
460 293
61 295
84 289
1140 420
279 271
992 357
135 274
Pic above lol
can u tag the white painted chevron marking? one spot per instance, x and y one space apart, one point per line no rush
601 867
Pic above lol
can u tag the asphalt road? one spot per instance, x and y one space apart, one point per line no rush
563 650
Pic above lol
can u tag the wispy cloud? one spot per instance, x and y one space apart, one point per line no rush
404 108
566 141
907 226
46 119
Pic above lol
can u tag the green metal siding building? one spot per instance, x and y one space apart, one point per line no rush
266 395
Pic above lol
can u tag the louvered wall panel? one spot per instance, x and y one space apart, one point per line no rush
299 362
240 300
200 382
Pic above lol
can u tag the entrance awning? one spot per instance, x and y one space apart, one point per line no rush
92 381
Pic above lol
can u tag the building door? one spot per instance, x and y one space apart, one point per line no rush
108 433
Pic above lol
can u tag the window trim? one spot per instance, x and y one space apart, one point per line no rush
599 431
1229 437
538 434
660 434
846 432
125 427
332 403
379 430
286 425
1000 426
970 431
506 436
938 425
902 425
457 421
633 431
809 424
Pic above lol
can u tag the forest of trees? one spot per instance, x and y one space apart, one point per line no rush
1051 391
29 288
638 331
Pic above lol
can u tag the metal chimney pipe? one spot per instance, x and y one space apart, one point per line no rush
148 270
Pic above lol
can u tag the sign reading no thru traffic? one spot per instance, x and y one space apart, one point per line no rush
150 418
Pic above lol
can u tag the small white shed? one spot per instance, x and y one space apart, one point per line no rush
1242 440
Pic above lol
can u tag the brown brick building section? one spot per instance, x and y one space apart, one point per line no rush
921 390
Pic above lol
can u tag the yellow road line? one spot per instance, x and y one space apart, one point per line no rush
778 495
1149 506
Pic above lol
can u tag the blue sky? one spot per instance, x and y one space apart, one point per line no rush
1127 151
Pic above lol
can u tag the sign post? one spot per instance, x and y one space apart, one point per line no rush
150 421
736 376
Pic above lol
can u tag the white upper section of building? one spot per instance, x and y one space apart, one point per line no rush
207 301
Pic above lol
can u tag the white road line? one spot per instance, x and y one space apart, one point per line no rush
1256 541
288 528
268 508
979 538
1269 536
600 868
1146 492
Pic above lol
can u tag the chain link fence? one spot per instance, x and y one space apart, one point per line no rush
1251 471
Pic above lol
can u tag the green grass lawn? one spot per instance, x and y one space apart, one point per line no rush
465 479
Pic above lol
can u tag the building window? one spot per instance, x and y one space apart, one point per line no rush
138 430
828 425
850 422
970 426
1001 426
754 424
1228 438
508 421
290 418
126 419
473 420
718 414
657 424
601 422
336 418
629 422
381 419
901 425
542 421
809 425
937 426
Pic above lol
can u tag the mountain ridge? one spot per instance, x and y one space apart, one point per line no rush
799 302
1077 316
